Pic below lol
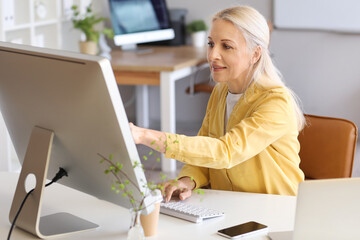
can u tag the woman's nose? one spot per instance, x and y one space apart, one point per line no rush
213 54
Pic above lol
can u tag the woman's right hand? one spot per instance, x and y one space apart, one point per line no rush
148 137
136 132
182 188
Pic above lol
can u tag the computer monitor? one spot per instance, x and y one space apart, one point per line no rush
74 98
139 21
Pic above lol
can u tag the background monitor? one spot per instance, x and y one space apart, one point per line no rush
139 21
76 97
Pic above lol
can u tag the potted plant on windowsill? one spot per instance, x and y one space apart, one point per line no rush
197 29
86 23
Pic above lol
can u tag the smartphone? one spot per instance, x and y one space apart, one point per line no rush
244 230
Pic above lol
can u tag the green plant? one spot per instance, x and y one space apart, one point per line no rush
121 179
196 26
86 23
121 182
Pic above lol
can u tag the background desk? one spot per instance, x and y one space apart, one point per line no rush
163 66
275 211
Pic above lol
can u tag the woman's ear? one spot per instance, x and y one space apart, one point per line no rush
257 54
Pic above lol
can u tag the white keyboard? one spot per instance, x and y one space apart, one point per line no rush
188 212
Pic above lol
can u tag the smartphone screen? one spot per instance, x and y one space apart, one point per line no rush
242 229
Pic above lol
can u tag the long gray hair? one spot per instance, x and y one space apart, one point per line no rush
256 32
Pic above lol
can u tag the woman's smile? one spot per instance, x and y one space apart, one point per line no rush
217 68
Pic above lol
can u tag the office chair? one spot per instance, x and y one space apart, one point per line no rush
327 147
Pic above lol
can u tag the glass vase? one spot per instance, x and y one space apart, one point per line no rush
136 231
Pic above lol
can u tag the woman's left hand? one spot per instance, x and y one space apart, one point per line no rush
182 188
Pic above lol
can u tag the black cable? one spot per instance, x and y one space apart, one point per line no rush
58 176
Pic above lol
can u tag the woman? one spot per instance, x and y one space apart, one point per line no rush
248 139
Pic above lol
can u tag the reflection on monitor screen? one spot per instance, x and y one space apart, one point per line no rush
140 21
61 110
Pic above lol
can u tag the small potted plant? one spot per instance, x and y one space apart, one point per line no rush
120 185
197 30
86 23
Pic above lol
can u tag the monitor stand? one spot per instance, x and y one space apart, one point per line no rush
36 162
134 48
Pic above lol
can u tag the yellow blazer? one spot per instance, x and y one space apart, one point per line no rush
259 151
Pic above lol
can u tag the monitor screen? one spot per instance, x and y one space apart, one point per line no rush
140 21
75 97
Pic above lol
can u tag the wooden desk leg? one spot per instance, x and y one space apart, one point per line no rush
167 103
142 106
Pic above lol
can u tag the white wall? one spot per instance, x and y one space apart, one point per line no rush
323 69
205 9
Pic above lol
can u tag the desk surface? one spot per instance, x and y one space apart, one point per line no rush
275 211
158 59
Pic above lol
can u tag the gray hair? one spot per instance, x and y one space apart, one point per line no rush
256 32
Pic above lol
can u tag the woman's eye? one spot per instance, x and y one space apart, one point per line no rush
227 46
210 44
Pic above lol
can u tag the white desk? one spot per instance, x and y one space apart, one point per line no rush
275 211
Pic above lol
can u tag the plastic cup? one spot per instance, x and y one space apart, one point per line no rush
150 222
